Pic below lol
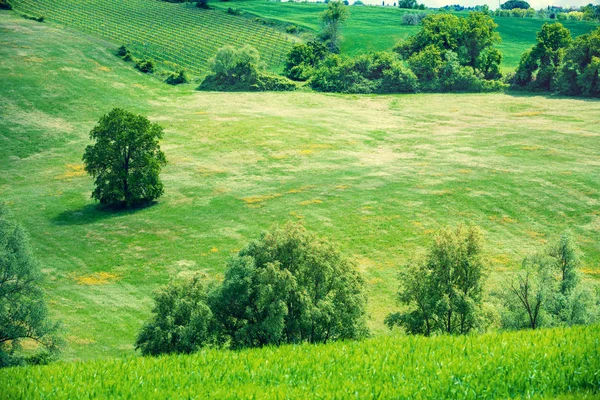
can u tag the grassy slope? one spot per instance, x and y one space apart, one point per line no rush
376 174
541 364
175 35
379 28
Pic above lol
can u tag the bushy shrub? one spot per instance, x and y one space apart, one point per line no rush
370 73
202 4
5 5
292 29
234 11
177 79
303 59
122 51
413 18
580 73
145 66
241 70
182 321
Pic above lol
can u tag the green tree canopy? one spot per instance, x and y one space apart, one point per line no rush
289 286
444 292
512 4
580 74
332 18
125 159
23 312
182 322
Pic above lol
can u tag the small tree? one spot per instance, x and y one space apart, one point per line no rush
289 287
182 322
332 19
23 312
549 291
125 159
444 293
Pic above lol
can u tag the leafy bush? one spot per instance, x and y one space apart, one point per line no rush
413 18
182 322
581 68
177 79
122 51
292 29
145 66
370 73
241 70
234 11
539 66
5 5
289 286
303 59
202 4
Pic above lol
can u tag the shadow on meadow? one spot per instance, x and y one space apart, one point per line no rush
91 213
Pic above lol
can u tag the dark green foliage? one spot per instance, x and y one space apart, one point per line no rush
408 4
549 291
202 4
145 66
539 66
512 4
303 59
125 159
454 54
5 5
444 293
332 19
292 29
289 287
369 73
241 70
234 11
23 312
177 79
122 51
581 68
182 322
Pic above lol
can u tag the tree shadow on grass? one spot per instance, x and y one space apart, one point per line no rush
91 213
549 95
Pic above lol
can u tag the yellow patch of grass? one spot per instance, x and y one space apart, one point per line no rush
214 250
77 340
342 187
295 214
291 191
97 278
279 156
508 220
465 171
528 114
501 259
260 198
309 202
306 152
442 192
534 234
375 281
33 59
103 68
72 171
320 146
530 148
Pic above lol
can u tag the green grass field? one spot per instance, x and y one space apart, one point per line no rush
559 363
376 174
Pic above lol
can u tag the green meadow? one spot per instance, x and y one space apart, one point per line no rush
375 174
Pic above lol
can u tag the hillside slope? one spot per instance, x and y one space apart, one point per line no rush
374 174
175 35
532 364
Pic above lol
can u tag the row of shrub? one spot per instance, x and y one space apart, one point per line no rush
290 286
147 66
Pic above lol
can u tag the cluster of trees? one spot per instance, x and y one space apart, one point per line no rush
413 18
288 286
557 63
512 4
444 293
241 69
411 4
449 53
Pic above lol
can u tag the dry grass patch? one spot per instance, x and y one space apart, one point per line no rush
309 202
254 200
72 171
97 278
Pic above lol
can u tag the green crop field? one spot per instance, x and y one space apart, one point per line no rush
543 364
175 35
375 174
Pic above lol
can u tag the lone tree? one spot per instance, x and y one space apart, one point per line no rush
444 293
23 312
332 19
126 159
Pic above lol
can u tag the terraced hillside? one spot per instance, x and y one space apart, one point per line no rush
175 35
